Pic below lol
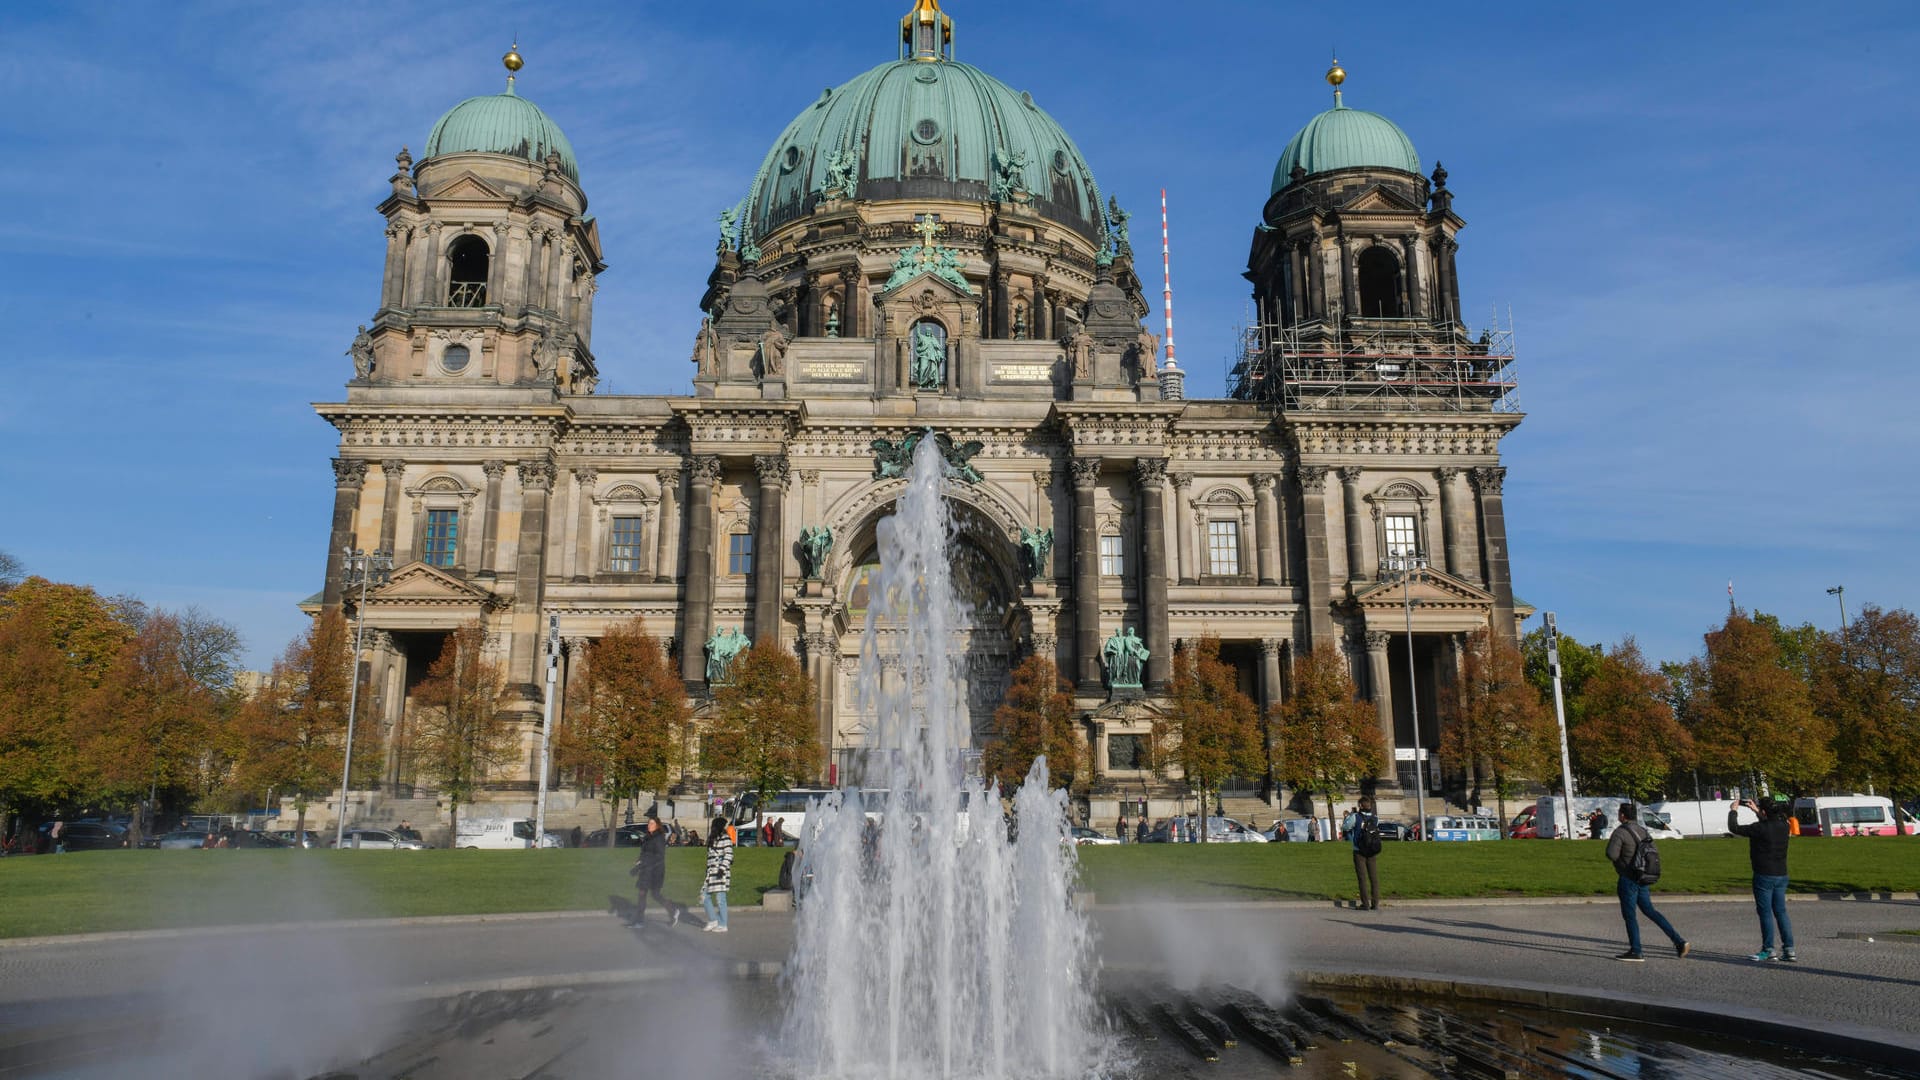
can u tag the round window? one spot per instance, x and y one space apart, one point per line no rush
454 360
790 159
1060 161
926 131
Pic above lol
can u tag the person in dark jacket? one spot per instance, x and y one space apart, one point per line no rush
650 872
1364 868
1635 897
1767 850
1140 830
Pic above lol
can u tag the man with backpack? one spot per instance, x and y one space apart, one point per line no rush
1363 832
1637 861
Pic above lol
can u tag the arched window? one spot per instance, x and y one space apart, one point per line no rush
1379 284
467 272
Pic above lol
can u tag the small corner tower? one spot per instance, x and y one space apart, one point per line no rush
491 256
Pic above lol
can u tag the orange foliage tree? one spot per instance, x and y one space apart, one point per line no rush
762 728
1209 729
58 644
1496 725
1328 739
1868 686
290 733
627 717
1752 716
1626 738
1036 719
463 735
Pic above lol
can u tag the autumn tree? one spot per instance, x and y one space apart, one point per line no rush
1752 715
1209 729
1495 724
627 719
290 732
762 727
463 733
1867 686
1035 720
12 571
1578 663
1329 740
58 643
1627 739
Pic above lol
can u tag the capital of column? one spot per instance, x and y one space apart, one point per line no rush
810 477
819 645
1042 478
585 475
494 468
1264 481
1086 471
379 641
1312 476
349 472
705 469
772 469
1045 645
1377 641
536 474
669 479
1272 646
1489 479
1181 481
394 468
1150 473
1350 474
1446 475
577 646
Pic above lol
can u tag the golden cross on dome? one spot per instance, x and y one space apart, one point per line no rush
928 228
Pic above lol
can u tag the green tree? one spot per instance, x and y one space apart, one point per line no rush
58 643
1578 663
763 727
1329 740
463 734
1496 725
1035 720
1868 687
1752 716
627 721
1627 739
289 734
1209 729
1799 646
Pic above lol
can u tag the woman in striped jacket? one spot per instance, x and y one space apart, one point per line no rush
719 874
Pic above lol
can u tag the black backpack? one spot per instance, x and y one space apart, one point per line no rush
1368 843
1643 865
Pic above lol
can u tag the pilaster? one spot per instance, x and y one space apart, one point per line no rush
529 578
697 616
769 555
1086 574
1488 480
1150 476
1380 680
349 474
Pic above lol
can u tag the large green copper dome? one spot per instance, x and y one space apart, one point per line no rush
502 124
920 128
1343 138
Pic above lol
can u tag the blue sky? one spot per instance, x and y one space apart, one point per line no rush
1701 216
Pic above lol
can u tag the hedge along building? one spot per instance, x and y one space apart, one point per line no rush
923 249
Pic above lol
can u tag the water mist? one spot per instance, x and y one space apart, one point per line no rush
932 945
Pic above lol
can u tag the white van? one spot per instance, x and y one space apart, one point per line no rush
1698 817
499 834
1849 815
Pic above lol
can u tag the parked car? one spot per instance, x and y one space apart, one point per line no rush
1225 830
87 836
498 834
184 840
625 836
1395 830
1298 830
307 838
1083 835
379 840
248 839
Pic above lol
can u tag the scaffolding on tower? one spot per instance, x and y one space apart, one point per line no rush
1377 365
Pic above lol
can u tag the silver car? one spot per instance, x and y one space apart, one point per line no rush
379 840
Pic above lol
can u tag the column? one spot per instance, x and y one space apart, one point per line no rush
348 476
1266 541
1313 529
1456 528
1283 527
490 519
497 264
1380 676
1086 574
698 617
1150 474
1316 277
574 670
393 279
415 287
1272 697
821 649
557 266
584 478
391 470
1488 480
470 548
1357 569
769 554
529 578
1416 291
1349 287
436 268
531 273
1189 570
664 567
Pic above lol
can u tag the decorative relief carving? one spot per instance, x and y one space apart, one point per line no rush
1377 640
349 472
1263 481
705 469
1350 474
1150 473
772 469
1086 471
536 474
585 475
1312 477
1446 475
494 468
1489 479
669 479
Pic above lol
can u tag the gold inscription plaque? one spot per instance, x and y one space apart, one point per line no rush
1023 373
833 370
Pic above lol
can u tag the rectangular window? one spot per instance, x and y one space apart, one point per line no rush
1223 547
1401 538
740 554
443 531
1113 560
623 546
1126 752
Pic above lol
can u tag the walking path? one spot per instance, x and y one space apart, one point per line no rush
326 975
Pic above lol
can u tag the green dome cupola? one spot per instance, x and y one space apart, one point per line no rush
923 126
503 123
1343 138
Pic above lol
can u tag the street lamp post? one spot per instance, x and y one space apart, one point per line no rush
1839 592
1560 714
1407 566
363 569
546 730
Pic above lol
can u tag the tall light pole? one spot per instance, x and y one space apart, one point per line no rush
1560 714
1839 592
546 729
361 568
1407 566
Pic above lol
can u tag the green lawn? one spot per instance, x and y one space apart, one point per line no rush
97 891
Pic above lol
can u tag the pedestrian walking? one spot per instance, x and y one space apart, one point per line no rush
1767 850
713 891
1363 832
1637 862
650 872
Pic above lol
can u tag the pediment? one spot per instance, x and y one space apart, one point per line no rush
418 584
466 186
944 291
1379 197
1432 589
1127 710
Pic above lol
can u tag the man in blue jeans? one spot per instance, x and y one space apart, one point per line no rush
1635 897
1767 850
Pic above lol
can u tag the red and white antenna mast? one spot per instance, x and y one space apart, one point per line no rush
1166 274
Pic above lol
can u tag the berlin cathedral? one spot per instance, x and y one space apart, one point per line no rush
924 252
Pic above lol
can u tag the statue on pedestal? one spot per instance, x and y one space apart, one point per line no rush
816 543
1126 657
723 648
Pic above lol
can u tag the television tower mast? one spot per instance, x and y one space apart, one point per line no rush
1166 274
